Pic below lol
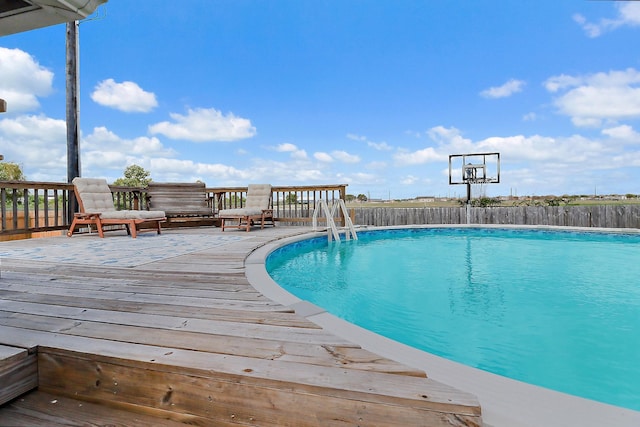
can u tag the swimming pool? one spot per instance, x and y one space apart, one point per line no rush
556 309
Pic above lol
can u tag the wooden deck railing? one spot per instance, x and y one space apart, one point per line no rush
291 204
28 207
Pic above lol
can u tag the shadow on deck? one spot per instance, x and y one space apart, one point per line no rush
167 330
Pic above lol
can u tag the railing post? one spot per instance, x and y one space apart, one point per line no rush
343 195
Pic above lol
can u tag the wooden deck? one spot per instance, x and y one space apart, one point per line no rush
187 340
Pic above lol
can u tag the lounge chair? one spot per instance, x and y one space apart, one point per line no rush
96 207
257 207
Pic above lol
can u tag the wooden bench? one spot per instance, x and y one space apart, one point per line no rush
180 201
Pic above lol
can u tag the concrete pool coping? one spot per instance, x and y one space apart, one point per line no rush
505 402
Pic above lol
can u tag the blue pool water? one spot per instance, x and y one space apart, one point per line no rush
552 308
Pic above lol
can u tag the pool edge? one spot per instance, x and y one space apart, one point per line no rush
505 402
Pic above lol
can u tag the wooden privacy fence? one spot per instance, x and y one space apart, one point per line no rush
606 216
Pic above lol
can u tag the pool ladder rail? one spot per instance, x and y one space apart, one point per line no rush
329 213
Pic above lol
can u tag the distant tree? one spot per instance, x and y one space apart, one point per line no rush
362 198
483 202
134 176
234 201
10 171
349 198
291 199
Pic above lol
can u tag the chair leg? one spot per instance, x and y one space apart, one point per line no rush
72 228
222 224
248 224
134 229
99 226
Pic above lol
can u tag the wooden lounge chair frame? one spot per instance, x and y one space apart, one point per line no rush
257 208
95 203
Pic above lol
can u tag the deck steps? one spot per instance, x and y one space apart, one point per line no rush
18 372
210 390
40 409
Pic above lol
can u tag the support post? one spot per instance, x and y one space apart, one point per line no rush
73 127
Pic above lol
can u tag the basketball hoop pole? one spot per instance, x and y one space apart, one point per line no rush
468 192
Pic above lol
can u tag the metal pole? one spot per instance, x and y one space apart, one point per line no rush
73 127
468 204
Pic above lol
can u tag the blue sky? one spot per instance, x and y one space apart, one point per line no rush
374 94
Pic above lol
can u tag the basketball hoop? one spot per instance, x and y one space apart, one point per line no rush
478 168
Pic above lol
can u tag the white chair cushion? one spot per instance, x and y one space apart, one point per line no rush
95 194
132 214
258 196
240 212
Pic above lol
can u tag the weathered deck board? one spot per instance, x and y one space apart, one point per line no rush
339 355
190 340
72 315
40 409
281 317
18 372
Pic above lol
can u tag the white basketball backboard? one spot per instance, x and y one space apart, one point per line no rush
477 168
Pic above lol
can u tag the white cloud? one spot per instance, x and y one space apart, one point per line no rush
105 150
104 140
356 137
167 169
624 133
628 15
203 125
125 96
23 80
556 83
376 165
360 178
37 144
418 157
296 152
299 154
345 157
323 157
590 99
381 146
409 180
451 138
504 91
339 155
286 148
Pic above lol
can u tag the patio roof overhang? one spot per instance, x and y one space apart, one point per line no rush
17 16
